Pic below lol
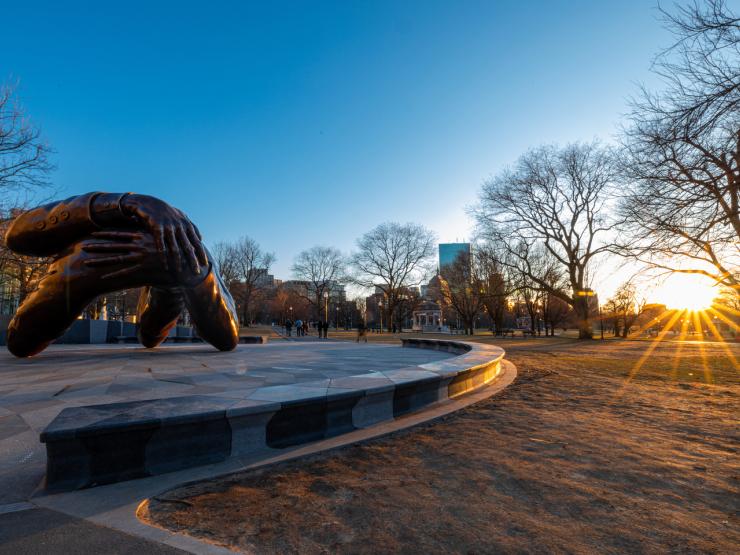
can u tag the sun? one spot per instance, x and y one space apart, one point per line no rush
686 292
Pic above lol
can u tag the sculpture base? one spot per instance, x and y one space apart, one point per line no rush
189 405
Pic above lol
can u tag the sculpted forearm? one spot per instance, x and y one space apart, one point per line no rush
51 228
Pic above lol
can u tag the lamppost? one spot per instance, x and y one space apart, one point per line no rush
326 307
336 319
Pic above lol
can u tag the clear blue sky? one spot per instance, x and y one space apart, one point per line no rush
311 122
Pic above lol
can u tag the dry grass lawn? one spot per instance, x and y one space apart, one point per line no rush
577 456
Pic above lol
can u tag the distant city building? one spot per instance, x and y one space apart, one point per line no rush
428 317
448 252
263 278
336 290
9 297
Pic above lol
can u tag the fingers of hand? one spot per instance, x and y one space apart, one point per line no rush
123 271
112 247
112 260
117 235
195 240
171 240
187 248
158 233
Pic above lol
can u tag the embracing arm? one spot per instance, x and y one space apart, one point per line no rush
51 228
212 311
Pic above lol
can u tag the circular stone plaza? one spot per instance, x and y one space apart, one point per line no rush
94 431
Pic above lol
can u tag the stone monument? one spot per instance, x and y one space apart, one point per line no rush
106 242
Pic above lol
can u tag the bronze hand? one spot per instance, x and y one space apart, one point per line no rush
175 236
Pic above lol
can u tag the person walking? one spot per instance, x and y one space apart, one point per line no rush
298 327
361 331
304 328
288 325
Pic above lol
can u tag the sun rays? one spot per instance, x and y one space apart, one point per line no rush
700 326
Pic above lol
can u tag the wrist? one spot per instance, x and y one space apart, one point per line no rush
194 280
127 204
107 209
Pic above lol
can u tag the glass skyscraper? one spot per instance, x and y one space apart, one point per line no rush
448 252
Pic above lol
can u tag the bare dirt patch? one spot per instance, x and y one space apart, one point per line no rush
577 456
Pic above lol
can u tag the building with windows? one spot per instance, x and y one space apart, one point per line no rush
428 318
336 290
448 252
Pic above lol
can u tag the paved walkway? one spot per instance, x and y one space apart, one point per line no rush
103 519
34 391
47 532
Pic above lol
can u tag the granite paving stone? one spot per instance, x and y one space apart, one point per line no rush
12 425
34 391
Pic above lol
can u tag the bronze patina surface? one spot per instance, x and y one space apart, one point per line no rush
106 242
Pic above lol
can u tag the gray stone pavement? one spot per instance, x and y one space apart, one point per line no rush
103 519
47 532
34 391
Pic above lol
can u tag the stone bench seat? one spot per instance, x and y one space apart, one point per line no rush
93 445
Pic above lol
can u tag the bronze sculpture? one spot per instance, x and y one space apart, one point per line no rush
105 242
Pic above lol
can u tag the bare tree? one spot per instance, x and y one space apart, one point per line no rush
323 268
626 307
464 288
24 156
529 296
554 312
610 317
224 255
496 284
392 257
538 300
682 152
19 273
244 267
24 168
554 309
554 200
726 311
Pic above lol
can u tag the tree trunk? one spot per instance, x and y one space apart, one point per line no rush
500 320
245 314
584 322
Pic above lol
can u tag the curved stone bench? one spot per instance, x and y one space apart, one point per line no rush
93 445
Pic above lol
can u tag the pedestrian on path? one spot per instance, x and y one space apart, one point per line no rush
298 327
288 325
361 331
